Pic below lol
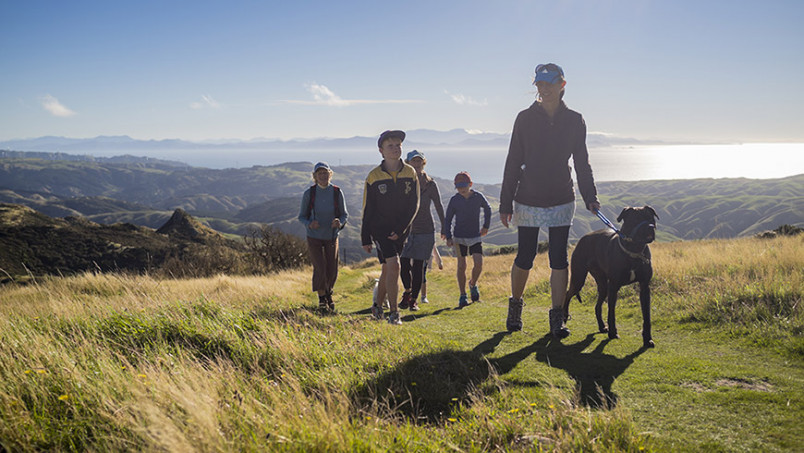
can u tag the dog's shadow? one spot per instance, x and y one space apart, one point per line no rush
594 372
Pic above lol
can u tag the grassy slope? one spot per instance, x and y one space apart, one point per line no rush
110 362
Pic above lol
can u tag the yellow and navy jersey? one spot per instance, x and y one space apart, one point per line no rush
390 202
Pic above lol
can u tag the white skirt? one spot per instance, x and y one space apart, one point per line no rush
553 216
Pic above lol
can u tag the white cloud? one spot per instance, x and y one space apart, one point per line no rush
322 95
55 107
461 99
205 102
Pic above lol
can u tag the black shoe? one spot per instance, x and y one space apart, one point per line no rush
405 302
330 302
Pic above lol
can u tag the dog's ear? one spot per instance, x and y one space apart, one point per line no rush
623 213
651 210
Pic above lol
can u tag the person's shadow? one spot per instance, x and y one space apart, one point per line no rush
594 372
426 387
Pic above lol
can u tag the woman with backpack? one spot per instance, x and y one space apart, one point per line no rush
323 212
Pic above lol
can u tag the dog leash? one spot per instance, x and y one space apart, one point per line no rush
608 223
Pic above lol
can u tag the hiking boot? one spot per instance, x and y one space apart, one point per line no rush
462 301
393 318
475 293
405 302
323 306
514 320
414 306
557 326
330 302
376 312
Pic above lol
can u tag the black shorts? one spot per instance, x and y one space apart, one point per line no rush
387 248
471 250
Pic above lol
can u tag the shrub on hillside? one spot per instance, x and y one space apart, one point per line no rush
783 230
272 250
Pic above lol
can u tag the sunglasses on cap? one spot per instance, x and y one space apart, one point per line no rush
543 71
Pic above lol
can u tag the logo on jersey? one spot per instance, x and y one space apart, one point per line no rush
408 188
382 188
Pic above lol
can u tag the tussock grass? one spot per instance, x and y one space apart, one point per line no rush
109 362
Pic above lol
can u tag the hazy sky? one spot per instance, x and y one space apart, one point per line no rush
699 70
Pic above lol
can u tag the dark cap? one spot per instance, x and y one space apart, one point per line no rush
463 179
390 134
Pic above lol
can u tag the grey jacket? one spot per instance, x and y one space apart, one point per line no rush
423 222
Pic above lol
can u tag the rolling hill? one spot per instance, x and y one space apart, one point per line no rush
145 192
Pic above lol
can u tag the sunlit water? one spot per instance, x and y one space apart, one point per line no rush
757 161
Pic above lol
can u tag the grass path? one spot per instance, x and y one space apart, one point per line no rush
698 390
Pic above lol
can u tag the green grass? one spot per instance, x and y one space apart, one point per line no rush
105 362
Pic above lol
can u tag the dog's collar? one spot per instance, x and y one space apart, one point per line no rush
634 255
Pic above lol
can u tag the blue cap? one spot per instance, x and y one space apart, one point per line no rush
415 153
321 165
550 73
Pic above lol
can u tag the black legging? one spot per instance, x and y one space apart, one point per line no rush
412 275
528 244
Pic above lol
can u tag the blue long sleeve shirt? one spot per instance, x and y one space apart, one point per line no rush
323 211
466 212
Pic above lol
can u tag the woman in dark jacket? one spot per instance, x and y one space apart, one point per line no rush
537 189
421 241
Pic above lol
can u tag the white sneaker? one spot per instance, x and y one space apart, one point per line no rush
393 318
424 300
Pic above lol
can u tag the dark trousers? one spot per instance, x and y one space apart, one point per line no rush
324 255
412 275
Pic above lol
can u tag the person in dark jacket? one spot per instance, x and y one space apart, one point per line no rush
323 213
390 202
421 241
537 189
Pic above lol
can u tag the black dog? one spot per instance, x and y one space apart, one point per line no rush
615 259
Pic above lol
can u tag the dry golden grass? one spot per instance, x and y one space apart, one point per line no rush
113 362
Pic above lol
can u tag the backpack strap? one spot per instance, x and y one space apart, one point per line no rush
337 195
312 202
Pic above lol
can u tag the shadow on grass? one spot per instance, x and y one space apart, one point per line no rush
410 316
594 372
427 387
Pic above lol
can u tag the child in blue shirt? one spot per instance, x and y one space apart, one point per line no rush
466 236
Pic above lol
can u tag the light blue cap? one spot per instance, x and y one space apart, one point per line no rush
550 73
321 165
415 153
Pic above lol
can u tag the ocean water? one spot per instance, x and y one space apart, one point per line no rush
639 163
632 163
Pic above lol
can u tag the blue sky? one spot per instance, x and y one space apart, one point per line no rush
703 71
